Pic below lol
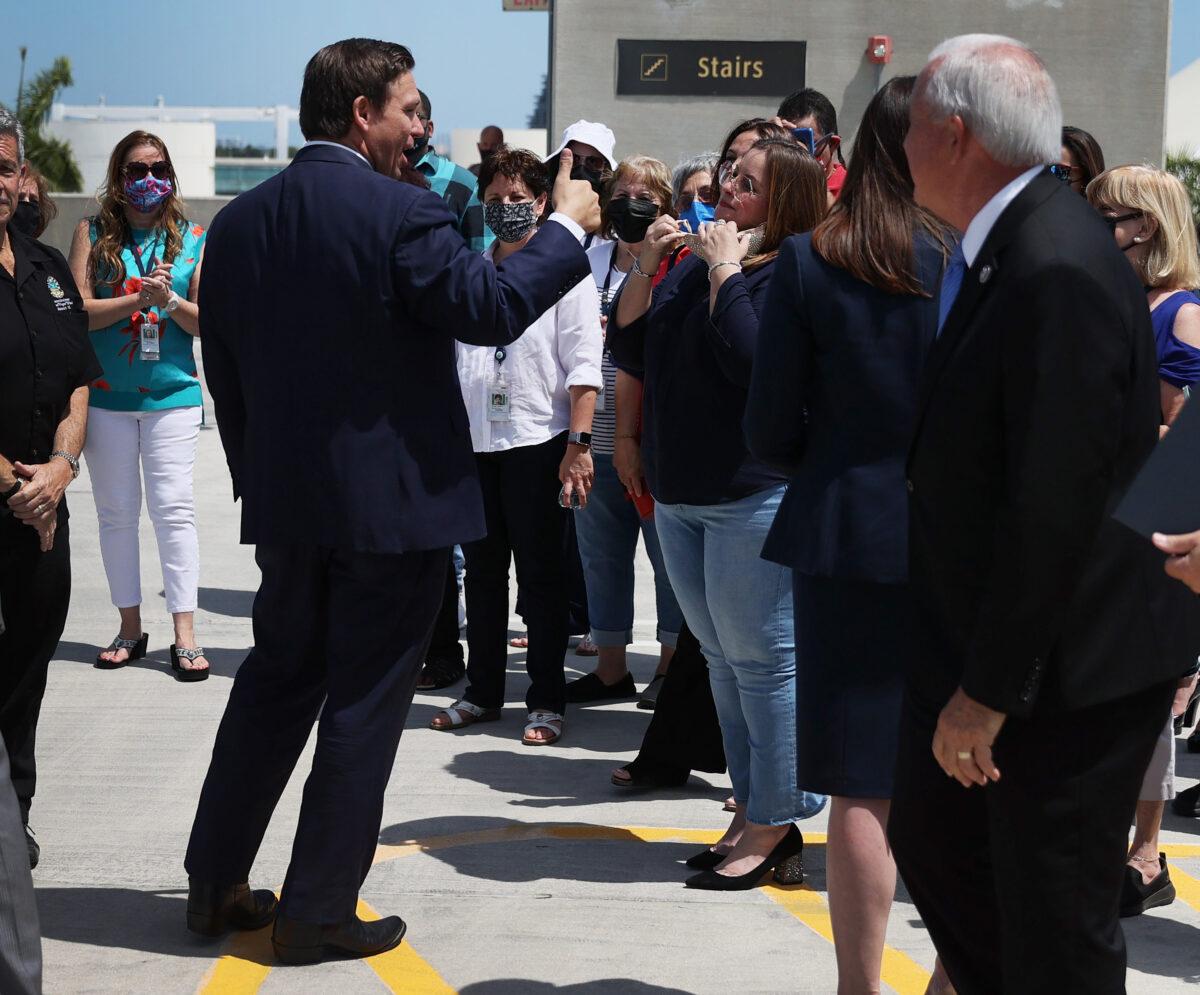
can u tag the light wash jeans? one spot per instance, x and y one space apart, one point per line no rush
608 530
740 608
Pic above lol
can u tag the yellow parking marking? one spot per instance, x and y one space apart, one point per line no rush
1180 849
1186 887
243 966
402 969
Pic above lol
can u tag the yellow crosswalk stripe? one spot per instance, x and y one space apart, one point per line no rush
402 969
243 966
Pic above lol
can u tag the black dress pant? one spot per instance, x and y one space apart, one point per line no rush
445 644
525 523
684 730
1019 881
35 590
338 634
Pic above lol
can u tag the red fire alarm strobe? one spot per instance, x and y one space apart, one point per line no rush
879 49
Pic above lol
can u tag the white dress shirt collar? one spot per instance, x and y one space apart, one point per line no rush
981 225
337 145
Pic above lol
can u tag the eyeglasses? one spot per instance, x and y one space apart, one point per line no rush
1112 222
743 186
1060 172
139 170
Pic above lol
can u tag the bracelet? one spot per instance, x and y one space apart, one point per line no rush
727 262
72 461
638 271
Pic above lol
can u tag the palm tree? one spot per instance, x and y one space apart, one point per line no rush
52 156
1187 168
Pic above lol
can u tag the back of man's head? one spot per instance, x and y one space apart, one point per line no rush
810 103
340 73
1002 91
426 106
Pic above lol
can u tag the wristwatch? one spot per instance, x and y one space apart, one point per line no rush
172 304
69 458
583 439
10 492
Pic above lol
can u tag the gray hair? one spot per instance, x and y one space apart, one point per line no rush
1003 93
705 162
9 125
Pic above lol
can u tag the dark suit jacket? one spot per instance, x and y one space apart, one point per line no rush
834 398
1040 403
330 300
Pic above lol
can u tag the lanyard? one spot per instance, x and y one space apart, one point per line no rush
144 270
501 356
605 295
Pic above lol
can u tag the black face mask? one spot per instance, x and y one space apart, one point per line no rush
27 218
631 217
581 172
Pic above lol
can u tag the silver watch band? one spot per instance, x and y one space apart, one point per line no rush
74 463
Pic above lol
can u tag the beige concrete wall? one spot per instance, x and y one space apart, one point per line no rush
1108 57
74 206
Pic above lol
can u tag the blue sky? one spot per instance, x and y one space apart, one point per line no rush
478 66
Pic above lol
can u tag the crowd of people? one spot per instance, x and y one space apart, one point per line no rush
868 409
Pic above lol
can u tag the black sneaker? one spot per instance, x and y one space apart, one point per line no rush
1137 896
35 851
589 687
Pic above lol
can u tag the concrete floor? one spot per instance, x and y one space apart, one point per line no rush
535 875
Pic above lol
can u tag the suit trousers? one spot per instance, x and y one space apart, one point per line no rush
1019 882
525 523
35 590
20 939
337 634
445 644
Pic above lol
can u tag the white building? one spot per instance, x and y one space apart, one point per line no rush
1183 110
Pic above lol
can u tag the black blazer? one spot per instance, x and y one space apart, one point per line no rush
834 398
1040 403
330 300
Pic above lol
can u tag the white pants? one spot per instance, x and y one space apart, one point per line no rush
164 442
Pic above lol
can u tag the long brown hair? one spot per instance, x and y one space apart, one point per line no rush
869 231
796 194
112 228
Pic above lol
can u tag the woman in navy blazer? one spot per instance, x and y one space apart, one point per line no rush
850 315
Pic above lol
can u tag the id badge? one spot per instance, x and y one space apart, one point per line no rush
148 334
499 402
601 400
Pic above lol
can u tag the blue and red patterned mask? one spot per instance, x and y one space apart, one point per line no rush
146 194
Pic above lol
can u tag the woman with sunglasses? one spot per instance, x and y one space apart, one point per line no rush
137 263
1149 214
692 340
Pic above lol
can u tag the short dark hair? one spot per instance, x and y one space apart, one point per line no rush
342 72
516 164
810 102
1086 150
426 106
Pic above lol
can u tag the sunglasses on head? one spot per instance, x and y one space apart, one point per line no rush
161 170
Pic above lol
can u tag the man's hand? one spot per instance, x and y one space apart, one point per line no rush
46 531
575 198
962 742
1184 562
576 474
37 500
627 461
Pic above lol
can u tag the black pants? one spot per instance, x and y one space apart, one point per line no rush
35 590
524 523
338 634
445 644
1019 882
20 939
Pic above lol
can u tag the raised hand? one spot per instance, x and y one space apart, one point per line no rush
575 198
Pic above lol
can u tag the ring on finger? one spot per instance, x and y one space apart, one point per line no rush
964 754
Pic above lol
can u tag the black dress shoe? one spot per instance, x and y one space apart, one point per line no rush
215 909
298 942
1137 896
35 851
791 844
440 672
1187 803
589 687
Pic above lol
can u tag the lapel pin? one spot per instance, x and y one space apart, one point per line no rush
985 274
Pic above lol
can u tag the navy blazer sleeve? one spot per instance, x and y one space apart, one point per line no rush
734 324
447 285
775 420
627 344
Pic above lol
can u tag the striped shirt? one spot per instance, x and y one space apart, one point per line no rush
608 281
457 187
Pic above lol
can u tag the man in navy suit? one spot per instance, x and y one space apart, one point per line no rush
331 298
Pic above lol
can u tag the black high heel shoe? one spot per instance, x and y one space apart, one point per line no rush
705 860
791 845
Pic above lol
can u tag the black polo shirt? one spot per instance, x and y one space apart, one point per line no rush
45 353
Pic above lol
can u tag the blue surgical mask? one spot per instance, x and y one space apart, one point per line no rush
698 213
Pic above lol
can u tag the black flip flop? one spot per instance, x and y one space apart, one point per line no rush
181 672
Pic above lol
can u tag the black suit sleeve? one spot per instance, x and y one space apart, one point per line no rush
1066 379
220 364
774 423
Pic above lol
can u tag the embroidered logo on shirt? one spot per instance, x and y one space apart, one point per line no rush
56 290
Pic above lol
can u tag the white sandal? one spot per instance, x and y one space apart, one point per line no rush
462 714
543 720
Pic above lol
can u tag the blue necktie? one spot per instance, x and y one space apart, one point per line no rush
951 284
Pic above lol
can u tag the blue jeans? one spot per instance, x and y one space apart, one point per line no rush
740 608
608 531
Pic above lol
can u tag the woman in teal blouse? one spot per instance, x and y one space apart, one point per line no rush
137 263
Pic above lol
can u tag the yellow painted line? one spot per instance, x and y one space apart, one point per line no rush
245 961
1180 849
900 971
402 969
1186 887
